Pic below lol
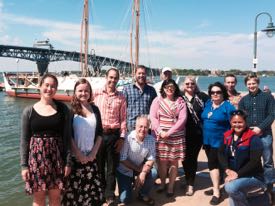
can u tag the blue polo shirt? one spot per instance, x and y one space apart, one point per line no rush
216 122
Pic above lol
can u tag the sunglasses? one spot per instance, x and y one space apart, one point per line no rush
215 92
189 83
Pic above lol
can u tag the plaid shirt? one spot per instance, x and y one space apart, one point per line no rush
112 109
136 152
260 108
138 102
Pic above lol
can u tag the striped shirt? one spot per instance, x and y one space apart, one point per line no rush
113 110
138 102
136 152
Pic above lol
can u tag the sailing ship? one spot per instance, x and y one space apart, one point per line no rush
25 85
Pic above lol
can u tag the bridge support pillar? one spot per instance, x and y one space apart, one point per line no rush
42 67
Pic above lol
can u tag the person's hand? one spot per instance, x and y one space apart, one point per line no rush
256 130
83 159
140 180
67 171
25 173
118 145
91 157
164 135
231 175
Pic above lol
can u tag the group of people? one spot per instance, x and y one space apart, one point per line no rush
76 156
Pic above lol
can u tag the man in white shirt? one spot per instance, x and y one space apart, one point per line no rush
136 163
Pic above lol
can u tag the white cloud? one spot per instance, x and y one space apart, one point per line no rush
175 48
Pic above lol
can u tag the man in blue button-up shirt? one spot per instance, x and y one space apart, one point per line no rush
139 97
260 107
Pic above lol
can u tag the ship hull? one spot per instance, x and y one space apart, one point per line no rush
34 95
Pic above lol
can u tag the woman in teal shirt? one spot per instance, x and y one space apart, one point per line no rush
216 121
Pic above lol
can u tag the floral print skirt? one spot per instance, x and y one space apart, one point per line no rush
83 186
45 165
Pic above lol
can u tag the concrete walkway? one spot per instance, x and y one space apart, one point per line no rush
203 183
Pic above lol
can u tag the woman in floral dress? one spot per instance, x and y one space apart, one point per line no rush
84 186
45 145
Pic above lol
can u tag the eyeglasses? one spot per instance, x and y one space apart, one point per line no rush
189 83
215 92
169 87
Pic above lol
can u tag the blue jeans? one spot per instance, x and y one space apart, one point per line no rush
125 185
268 164
237 190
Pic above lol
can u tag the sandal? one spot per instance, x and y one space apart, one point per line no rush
189 191
146 200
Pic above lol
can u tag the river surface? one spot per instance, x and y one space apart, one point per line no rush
11 185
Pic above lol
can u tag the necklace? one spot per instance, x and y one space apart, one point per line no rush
209 114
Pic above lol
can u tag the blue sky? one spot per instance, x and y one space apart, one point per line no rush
198 34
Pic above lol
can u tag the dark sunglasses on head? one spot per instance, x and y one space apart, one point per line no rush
190 83
215 92
238 112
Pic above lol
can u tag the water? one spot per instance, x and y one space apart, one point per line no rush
11 185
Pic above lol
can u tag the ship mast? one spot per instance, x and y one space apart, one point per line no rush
136 11
84 40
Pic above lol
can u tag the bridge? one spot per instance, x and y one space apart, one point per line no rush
43 56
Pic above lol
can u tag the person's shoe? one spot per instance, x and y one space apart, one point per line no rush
160 188
189 191
121 204
146 200
209 192
215 200
170 193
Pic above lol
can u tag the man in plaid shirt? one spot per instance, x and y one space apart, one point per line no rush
139 97
260 108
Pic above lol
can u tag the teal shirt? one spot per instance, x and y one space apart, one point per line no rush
216 122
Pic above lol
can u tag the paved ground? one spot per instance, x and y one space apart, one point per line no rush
202 183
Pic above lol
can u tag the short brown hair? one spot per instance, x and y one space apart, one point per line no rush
251 76
113 69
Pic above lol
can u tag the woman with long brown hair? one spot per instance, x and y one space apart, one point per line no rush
84 185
